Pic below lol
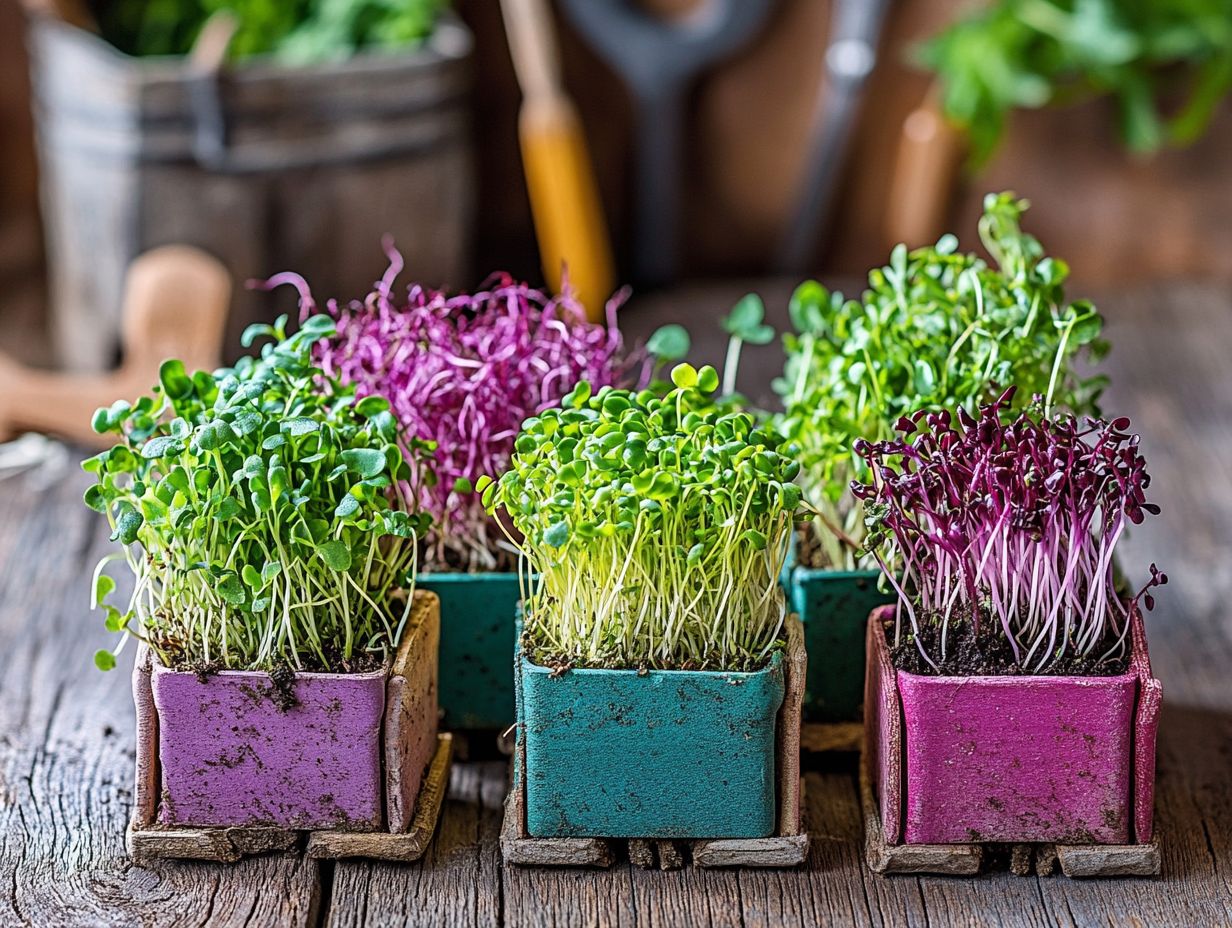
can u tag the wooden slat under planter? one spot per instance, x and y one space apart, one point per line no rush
1051 769
268 167
786 846
356 764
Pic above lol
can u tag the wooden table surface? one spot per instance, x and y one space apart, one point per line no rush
66 764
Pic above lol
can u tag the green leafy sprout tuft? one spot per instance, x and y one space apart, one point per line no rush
261 513
653 528
936 329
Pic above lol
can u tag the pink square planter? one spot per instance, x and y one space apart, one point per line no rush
349 756
1057 759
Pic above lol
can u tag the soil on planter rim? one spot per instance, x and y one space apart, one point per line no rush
282 676
990 653
560 664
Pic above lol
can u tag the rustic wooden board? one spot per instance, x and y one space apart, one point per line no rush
66 769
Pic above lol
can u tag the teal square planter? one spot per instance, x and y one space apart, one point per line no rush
833 606
478 615
663 754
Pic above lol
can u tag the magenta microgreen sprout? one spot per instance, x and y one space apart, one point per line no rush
463 372
976 519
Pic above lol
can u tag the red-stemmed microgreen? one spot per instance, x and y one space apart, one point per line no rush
976 519
655 526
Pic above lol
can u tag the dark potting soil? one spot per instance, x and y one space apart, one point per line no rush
989 653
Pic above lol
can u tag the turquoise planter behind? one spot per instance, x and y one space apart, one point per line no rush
664 754
833 606
478 612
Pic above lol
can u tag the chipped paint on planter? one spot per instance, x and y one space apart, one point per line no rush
230 756
661 754
1061 759
477 636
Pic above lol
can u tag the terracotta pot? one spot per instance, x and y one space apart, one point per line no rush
1059 759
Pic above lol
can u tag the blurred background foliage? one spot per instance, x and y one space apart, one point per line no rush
295 31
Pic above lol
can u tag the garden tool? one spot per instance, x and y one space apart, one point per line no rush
930 151
658 60
564 197
851 54
175 306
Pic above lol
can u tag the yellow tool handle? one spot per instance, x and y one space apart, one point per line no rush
564 197
565 202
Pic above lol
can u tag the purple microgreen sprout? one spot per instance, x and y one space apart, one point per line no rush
975 519
463 372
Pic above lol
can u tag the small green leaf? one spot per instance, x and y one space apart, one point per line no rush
251 576
669 343
463 485
367 462
347 507
271 570
232 590
369 406
162 446
175 380
127 527
115 620
300 425
708 379
103 588
104 660
745 316
336 555
684 376
557 534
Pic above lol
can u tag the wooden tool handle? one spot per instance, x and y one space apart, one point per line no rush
532 45
175 306
930 153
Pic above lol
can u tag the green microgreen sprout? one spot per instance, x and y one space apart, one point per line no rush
261 512
653 528
936 329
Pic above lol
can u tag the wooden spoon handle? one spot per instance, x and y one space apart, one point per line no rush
175 306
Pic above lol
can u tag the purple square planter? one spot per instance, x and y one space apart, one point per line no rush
349 756
230 756
1060 759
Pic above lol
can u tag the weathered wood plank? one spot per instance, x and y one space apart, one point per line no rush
458 882
66 770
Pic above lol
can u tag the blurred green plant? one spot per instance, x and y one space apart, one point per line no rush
294 31
1146 54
